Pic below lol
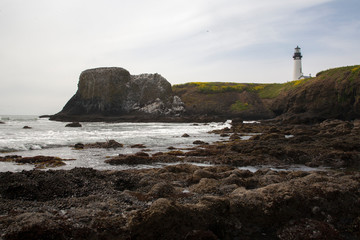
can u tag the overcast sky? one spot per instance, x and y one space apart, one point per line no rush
46 44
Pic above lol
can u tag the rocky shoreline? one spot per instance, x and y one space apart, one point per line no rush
185 201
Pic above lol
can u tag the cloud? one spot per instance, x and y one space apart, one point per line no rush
44 45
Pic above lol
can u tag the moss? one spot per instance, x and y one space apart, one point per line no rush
239 106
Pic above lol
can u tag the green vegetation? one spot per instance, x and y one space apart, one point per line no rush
338 86
350 73
268 91
239 106
213 87
265 91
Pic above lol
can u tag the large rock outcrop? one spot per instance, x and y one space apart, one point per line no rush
332 94
223 99
113 92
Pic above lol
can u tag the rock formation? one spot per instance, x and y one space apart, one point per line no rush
113 92
332 94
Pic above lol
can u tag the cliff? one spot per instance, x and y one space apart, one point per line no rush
114 93
229 100
332 93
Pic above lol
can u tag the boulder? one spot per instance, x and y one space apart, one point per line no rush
108 144
73 124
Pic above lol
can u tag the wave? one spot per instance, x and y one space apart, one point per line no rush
19 118
29 147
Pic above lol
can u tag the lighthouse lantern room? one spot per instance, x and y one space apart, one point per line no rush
297 64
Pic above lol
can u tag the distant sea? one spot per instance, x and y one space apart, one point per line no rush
52 138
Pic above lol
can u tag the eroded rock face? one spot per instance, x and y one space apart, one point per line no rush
114 92
332 94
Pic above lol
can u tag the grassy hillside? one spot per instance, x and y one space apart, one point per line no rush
263 90
251 100
334 93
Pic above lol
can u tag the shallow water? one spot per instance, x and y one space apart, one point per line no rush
51 138
295 167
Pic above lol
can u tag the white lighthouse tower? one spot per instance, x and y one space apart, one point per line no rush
297 64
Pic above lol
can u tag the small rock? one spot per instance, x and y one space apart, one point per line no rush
234 136
185 135
129 160
79 146
176 153
40 161
113 144
142 154
27 127
199 142
73 124
158 154
108 144
138 146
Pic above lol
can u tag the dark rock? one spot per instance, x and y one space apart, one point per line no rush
203 152
27 127
201 235
234 136
73 124
109 92
79 146
216 202
39 161
108 144
9 158
221 203
331 95
42 161
158 154
138 146
176 153
1 122
143 154
130 160
308 229
45 116
162 189
199 142
236 121
185 135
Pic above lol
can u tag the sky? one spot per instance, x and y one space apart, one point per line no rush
46 44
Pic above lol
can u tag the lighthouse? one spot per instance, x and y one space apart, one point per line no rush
297 64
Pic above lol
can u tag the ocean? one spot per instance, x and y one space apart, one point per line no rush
50 138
